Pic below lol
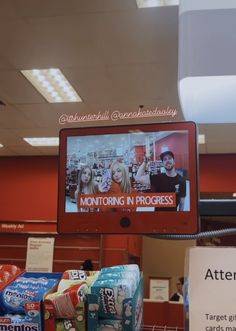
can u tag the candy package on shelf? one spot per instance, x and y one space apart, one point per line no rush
21 301
116 299
65 309
8 272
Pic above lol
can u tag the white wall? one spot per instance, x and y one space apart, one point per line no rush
164 258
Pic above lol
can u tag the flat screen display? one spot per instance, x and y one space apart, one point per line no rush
129 179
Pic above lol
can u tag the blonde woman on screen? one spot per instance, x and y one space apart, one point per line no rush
116 179
117 182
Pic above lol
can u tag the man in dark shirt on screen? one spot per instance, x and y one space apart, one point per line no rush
170 181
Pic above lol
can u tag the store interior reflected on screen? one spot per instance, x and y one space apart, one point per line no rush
129 171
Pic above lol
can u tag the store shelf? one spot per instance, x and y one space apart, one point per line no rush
217 207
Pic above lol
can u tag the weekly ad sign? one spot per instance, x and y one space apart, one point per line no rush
212 289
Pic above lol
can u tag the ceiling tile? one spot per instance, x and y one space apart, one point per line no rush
115 55
15 89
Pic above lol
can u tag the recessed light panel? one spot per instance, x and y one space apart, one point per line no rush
156 3
44 141
52 84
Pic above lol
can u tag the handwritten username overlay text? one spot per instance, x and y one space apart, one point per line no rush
116 115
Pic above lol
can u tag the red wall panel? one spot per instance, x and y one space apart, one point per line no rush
28 185
217 173
165 314
28 188
115 241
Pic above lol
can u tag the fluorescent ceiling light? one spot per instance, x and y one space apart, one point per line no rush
1 145
201 139
156 3
46 141
52 84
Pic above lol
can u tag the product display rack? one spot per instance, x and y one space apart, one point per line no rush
217 207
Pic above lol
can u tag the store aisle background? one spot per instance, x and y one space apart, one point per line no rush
29 192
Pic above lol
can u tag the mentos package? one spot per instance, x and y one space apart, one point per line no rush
74 274
12 269
4 277
66 325
110 325
79 274
111 293
17 319
67 283
65 303
16 322
24 290
8 272
77 323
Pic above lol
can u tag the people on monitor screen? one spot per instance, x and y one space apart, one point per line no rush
118 181
120 176
115 182
169 181
86 184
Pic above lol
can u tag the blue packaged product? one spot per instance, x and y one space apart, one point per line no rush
33 282
14 322
15 318
111 294
128 275
120 268
24 290
134 268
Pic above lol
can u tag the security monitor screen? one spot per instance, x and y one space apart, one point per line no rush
145 170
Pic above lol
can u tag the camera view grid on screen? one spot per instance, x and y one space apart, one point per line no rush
141 171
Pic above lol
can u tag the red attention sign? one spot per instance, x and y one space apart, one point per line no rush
127 200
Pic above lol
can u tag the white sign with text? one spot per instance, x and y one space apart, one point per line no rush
39 254
212 289
159 289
